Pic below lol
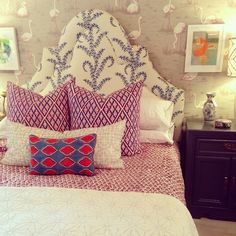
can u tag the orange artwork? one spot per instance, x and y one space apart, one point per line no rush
200 47
205 47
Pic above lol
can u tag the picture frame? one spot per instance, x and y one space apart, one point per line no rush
9 56
205 48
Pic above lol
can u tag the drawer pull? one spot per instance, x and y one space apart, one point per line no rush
230 146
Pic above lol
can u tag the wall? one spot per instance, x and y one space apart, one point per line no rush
163 32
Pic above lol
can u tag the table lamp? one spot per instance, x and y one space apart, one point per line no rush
232 58
232 65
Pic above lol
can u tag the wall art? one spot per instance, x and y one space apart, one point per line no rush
205 45
9 58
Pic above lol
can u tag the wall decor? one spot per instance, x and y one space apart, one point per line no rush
166 44
205 45
9 59
209 107
232 58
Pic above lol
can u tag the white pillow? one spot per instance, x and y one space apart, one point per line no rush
107 151
157 136
156 124
155 112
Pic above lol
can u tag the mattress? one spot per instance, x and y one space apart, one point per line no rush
155 170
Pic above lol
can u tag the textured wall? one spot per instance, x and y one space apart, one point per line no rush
163 32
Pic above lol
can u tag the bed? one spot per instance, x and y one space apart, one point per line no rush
146 196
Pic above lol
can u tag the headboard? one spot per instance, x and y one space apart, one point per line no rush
95 49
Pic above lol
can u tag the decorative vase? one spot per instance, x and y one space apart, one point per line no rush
209 107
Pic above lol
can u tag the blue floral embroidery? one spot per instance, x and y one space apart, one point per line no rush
53 83
112 21
176 113
33 86
97 64
132 61
169 93
61 63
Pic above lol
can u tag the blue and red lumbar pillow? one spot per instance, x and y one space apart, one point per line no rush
62 156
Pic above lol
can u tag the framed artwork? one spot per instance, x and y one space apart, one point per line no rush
9 58
205 48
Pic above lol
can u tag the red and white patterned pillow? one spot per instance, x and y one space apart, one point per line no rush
32 109
89 109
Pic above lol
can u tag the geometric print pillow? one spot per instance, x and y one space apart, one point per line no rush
89 109
62 156
34 110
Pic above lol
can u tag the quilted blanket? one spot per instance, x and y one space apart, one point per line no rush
155 170
46 211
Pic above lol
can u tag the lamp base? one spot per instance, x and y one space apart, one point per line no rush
2 115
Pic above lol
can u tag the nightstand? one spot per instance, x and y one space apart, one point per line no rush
210 170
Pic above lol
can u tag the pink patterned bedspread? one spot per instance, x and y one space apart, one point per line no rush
155 170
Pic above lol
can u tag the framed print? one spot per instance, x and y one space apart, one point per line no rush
204 51
9 58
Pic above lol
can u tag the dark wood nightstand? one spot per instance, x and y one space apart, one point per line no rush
210 170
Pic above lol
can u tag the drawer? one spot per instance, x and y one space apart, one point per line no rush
205 146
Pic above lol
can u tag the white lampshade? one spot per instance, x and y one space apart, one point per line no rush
232 58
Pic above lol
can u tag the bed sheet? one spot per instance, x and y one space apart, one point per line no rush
80 212
155 170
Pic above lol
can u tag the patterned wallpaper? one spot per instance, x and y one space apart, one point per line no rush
159 25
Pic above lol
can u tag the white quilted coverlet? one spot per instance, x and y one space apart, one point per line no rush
74 212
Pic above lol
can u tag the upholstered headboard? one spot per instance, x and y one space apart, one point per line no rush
95 49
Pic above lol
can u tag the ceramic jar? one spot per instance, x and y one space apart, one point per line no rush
209 107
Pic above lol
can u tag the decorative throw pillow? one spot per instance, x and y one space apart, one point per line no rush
18 142
32 109
155 112
62 156
107 151
157 136
155 119
108 147
89 109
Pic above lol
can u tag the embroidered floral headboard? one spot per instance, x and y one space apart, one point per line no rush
95 49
